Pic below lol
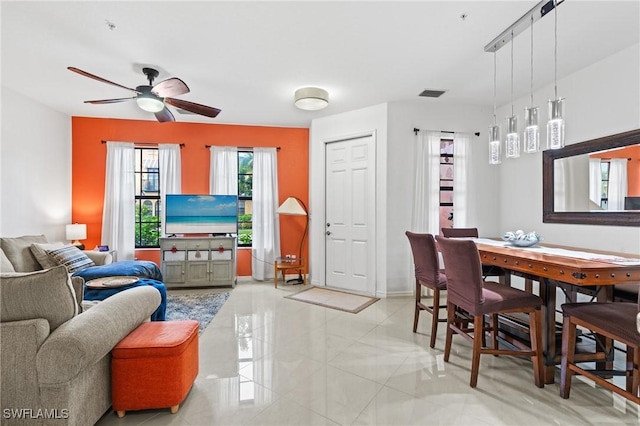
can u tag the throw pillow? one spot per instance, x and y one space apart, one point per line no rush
5 264
72 258
44 294
39 250
19 253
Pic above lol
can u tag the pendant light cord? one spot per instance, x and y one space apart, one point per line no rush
494 87
531 61
555 45
512 73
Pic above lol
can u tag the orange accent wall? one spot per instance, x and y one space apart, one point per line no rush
632 154
89 157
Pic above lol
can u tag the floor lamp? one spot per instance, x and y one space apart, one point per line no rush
294 207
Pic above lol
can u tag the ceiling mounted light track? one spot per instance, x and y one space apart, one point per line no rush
529 18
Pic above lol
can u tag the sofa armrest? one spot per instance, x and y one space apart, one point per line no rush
19 345
88 337
99 257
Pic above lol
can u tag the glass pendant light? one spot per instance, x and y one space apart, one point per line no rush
512 138
531 134
555 125
495 150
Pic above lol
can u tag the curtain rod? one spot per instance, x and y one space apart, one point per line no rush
248 147
138 143
416 130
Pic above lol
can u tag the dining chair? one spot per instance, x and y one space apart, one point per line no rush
613 320
487 270
429 275
466 290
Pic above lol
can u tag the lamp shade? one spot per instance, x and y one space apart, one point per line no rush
292 206
76 231
311 98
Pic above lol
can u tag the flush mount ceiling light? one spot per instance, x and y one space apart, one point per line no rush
311 98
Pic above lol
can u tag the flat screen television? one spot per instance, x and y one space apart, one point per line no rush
201 214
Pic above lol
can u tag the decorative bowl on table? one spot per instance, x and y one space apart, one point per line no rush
522 239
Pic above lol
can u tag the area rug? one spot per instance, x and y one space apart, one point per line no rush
334 299
200 307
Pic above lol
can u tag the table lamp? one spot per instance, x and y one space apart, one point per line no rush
294 207
77 231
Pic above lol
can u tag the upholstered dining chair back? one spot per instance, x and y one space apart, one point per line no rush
428 274
464 273
460 232
425 257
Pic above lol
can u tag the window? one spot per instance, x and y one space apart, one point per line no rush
604 170
245 193
147 194
446 183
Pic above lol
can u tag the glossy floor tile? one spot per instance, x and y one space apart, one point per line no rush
267 360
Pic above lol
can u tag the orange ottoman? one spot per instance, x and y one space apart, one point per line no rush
154 366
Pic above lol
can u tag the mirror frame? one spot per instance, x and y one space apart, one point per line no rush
617 218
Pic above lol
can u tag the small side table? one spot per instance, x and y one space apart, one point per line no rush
282 264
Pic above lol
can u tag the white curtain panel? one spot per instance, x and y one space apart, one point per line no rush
617 183
426 190
266 232
170 175
460 179
223 170
118 216
595 181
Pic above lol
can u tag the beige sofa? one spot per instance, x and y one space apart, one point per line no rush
55 361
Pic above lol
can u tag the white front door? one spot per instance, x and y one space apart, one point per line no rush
350 214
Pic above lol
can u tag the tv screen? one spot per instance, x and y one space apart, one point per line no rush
201 214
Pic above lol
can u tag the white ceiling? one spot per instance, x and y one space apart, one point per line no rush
248 58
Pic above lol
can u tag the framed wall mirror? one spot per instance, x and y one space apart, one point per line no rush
596 182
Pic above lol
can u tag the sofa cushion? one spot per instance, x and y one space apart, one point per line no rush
39 251
5 264
18 251
44 294
71 257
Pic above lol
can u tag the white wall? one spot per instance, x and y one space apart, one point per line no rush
336 127
432 115
35 159
601 99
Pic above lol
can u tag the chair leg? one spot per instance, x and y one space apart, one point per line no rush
535 332
451 317
435 311
568 352
417 313
636 374
477 346
494 331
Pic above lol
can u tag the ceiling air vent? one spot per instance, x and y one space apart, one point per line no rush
428 93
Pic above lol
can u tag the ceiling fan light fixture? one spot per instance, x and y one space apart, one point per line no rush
311 98
151 104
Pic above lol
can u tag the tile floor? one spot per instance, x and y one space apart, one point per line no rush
267 360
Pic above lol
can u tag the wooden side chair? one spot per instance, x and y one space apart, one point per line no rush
466 290
616 321
487 270
428 274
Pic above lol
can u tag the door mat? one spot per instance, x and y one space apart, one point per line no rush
334 299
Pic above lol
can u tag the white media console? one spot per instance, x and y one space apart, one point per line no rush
198 261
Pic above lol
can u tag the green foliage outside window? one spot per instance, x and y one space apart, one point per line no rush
147 227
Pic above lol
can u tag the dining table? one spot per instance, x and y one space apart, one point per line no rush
572 270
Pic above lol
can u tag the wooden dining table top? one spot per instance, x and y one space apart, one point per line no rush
572 265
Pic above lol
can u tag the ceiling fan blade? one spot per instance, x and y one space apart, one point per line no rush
95 77
193 107
170 87
165 115
109 101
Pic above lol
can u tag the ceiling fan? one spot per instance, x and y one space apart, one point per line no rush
155 98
